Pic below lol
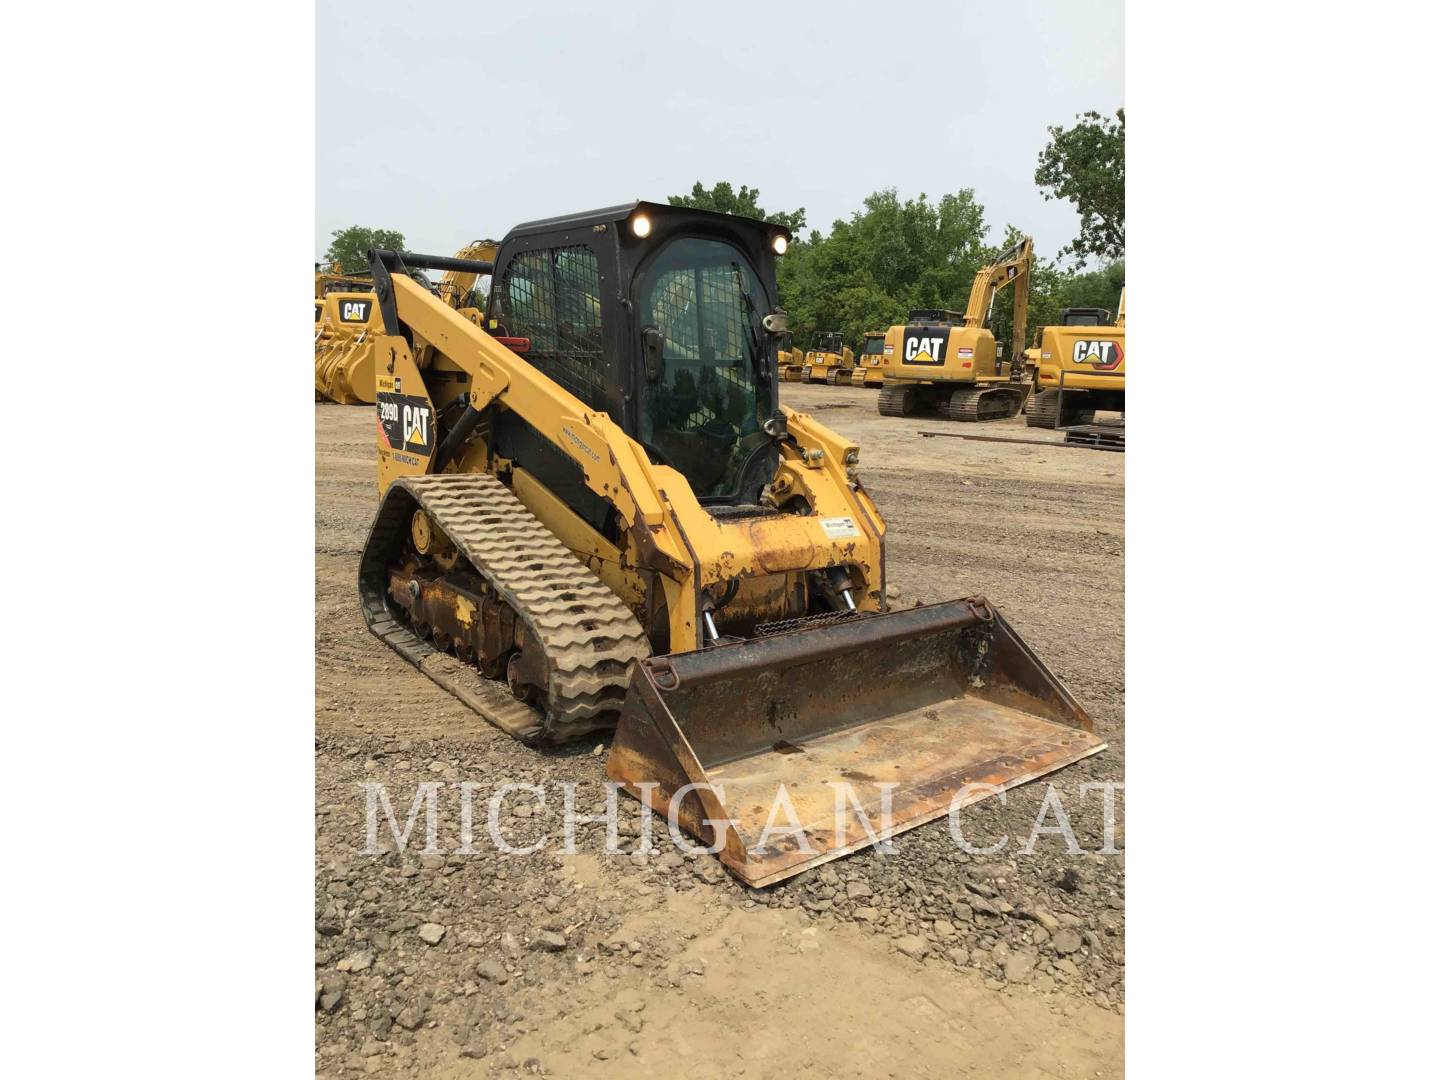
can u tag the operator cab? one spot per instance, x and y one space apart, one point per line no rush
664 317
1085 316
933 317
830 342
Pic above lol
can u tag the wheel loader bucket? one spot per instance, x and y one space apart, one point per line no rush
785 750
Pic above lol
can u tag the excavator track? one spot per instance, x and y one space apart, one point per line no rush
896 401
588 638
983 403
1044 408
1044 412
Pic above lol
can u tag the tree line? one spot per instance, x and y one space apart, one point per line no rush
892 255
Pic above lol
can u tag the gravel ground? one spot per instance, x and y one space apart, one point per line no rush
482 963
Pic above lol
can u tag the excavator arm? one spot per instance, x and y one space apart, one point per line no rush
455 285
1012 268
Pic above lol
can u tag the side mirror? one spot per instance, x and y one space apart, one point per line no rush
652 350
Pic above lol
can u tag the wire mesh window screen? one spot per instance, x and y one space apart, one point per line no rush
552 297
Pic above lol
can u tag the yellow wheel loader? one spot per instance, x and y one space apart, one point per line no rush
600 516
1079 368
828 360
870 364
946 363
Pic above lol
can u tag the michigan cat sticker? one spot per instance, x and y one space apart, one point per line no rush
407 423
924 345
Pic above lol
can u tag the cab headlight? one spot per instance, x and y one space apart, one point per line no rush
640 225
780 244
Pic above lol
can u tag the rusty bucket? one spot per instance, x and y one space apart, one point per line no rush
785 750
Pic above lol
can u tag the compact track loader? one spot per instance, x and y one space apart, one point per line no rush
1079 368
946 362
595 513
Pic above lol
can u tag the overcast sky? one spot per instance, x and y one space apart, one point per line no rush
453 123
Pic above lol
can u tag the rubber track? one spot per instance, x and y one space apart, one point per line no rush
590 639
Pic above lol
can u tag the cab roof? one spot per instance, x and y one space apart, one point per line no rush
608 215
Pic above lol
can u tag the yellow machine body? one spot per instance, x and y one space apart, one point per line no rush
344 347
739 645
1079 368
947 362
870 364
829 360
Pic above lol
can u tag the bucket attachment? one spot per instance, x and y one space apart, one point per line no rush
925 706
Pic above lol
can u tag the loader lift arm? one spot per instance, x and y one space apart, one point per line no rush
615 466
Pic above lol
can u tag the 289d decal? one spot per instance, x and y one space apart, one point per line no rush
407 422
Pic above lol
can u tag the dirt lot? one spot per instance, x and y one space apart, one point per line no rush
925 961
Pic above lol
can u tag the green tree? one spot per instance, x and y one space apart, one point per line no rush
889 256
1052 290
1085 165
724 199
348 246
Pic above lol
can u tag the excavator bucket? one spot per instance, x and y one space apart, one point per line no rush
789 750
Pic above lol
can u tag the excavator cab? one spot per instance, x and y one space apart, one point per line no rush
1085 316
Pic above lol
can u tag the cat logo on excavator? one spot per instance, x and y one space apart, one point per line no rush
1100 355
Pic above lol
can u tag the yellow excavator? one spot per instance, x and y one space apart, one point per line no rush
457 288
829 360
870 364
946 362
595 513
1079 368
